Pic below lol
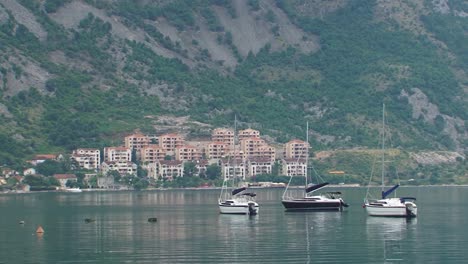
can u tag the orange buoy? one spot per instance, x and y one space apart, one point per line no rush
39 230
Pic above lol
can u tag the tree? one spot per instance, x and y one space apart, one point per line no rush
33 180
189 169
213 172
50 167
140 184
141 173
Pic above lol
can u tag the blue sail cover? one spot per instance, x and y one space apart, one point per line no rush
236 191
315 187
389 191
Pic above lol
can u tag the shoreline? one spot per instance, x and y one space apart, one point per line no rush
218 188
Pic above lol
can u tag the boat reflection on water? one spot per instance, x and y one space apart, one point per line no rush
320 232
392 232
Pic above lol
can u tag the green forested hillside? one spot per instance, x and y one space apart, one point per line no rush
81 73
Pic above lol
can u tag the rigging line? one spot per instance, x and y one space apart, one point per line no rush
368 193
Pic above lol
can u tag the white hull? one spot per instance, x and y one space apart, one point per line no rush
234 206
75 190
391 207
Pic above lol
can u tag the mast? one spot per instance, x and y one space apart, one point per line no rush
383 146
235 163
307 156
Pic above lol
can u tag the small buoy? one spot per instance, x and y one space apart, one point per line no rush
89 220
21 222
152 219
39 230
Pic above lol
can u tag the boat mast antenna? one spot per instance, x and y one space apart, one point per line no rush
383 146
307 154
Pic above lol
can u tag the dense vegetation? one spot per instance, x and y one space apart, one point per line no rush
272 91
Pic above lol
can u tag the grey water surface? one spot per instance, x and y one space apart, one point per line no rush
189 229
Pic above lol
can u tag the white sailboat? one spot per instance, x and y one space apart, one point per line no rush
234 199
329 201
395 206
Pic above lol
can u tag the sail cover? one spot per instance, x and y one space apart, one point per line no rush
315 187
389 191
236 191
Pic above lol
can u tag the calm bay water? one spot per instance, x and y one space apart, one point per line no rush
190 229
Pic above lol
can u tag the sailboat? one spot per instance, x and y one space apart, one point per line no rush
330 201
237 200
395 206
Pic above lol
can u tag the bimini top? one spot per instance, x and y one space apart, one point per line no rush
403 199
239 190
316 187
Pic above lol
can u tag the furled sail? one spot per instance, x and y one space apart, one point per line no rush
236 191
315 187
389 191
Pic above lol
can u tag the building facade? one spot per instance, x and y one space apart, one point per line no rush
136 141
123 167
296 149
152 153
248 133
87 158
117 154
187 153
169 142
294 167
223 135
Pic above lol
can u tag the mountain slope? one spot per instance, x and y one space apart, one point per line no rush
82 73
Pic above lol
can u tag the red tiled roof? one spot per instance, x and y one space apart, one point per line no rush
45 156
64 176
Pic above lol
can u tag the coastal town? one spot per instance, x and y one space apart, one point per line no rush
164 157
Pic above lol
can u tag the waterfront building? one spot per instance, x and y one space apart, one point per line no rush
169 169
123 167
117 154
257 166
294 167
87 158
233 168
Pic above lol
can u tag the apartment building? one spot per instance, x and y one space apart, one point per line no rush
87 158
187 153
233 169
169 142
257 166
248 133
257 148
169 169
117 154
296 149
136 141
123 167
294 167
223 135
151 153
217 150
